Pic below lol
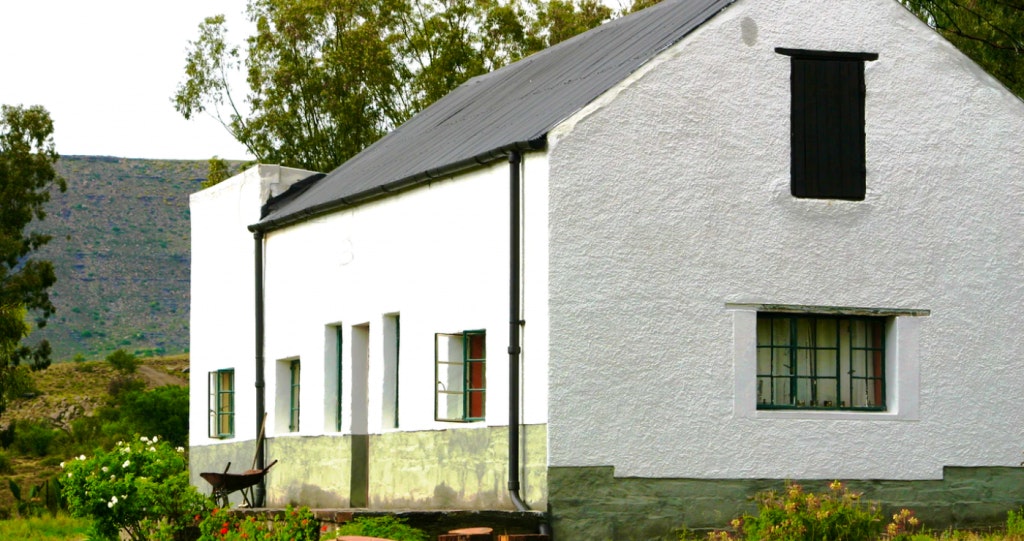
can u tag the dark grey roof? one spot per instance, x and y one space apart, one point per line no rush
510 108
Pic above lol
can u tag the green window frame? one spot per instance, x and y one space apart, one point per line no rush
222 404
294 370
460 373
817 361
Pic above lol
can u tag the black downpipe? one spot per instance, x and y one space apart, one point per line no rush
514 322
261 407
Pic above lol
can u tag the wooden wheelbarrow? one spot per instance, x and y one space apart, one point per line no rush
225 483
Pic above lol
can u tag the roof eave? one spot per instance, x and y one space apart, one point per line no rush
384 190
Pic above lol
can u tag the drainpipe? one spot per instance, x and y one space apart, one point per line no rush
260 491
514 322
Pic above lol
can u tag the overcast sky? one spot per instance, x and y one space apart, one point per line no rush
106 71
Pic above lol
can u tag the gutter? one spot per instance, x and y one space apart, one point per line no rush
514 323
260 491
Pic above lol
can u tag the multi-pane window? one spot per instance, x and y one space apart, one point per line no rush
294 368
820 361
827 123
460 370
222 404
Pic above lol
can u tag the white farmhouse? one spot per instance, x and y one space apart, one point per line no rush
700 250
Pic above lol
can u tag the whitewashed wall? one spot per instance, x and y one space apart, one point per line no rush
436 255
649 252
222 315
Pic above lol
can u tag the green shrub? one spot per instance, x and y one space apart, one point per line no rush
295 525
1015 523
795 515
162 411
384 526
5 464
7 435
140 489
124 362
123 384
34 438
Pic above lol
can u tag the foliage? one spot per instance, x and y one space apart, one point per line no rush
40 498
122 385
34 438
904 526
991 32
140 488
27 155
795 515
328 77
384 527
219 172
59 528
1015 523
294 525
162 411
123 362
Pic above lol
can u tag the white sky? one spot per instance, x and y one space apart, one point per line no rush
106 71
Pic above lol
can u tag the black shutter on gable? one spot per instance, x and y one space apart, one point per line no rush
828 94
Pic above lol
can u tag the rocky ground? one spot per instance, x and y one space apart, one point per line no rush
68 391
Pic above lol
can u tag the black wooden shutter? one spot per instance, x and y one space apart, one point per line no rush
828 93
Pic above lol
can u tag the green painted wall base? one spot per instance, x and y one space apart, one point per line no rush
591 504
459 468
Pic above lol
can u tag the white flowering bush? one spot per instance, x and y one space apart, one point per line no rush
139 488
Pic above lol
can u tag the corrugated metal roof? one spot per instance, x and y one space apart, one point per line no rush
513 107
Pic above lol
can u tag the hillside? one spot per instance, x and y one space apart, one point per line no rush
59 404
121 252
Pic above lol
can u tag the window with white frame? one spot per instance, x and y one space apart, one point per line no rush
826 362
460 361
222 404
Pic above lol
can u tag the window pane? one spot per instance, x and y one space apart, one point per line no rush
449 366
475 365
451 406
293 419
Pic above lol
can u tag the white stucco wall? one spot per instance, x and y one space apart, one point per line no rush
652 255
437 256
222 285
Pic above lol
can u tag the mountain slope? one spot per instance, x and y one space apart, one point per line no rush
120 249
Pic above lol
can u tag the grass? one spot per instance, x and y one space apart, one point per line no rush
59 528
